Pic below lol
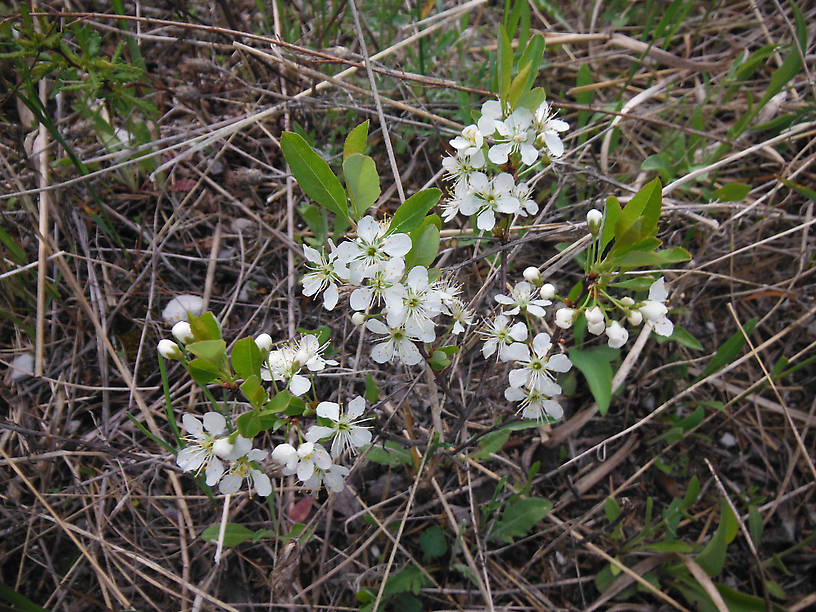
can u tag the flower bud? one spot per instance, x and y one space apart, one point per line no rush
183 332
617 335
358 318
596 328
634 317
594 315
594 219
222 448
627 301
264 343
547 291
170 350
564 317
532 275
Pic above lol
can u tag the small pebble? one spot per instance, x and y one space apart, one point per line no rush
728 440
177 308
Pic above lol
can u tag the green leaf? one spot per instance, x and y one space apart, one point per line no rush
439 360
246 358
372 391
254 392
363 183
318 222
611 509
519 518
214 351
390 454
433 543
234 534
491 443
732 192
670 546
712 557
530 62
532 99
249 424
313 174
204 327
204 372
410 214
755 524
642 259
611 216
681 336
594 365
638 220
356 141
424 243
17 601
504 61
517 86
729 350
409 580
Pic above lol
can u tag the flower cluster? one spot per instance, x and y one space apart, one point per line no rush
491 153
532 381
398 305
599 314
284 364
209 445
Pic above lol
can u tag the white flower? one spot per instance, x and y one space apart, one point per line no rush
462 316
536 403
398 344
515 136
345 428
286 363
287 456
521 298
334 477
182 332
595 320
244 468
537 367
469 142
617 334
199 453
654 309
564 317
460 167
326 271
547 291
491 115
169 349
548 129
382 285
420 304
490 197
527 205
463 197
371 248
500 335
311 456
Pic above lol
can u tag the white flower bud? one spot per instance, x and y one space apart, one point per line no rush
532 275
264 343
627 301
617 335
596 328
634 317
594 219
594 315
653 311
358 318
169 349
183 332
564 317
548 291
222 448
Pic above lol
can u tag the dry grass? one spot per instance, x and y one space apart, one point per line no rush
95 515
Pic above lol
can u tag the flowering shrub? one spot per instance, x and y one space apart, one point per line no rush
382 274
